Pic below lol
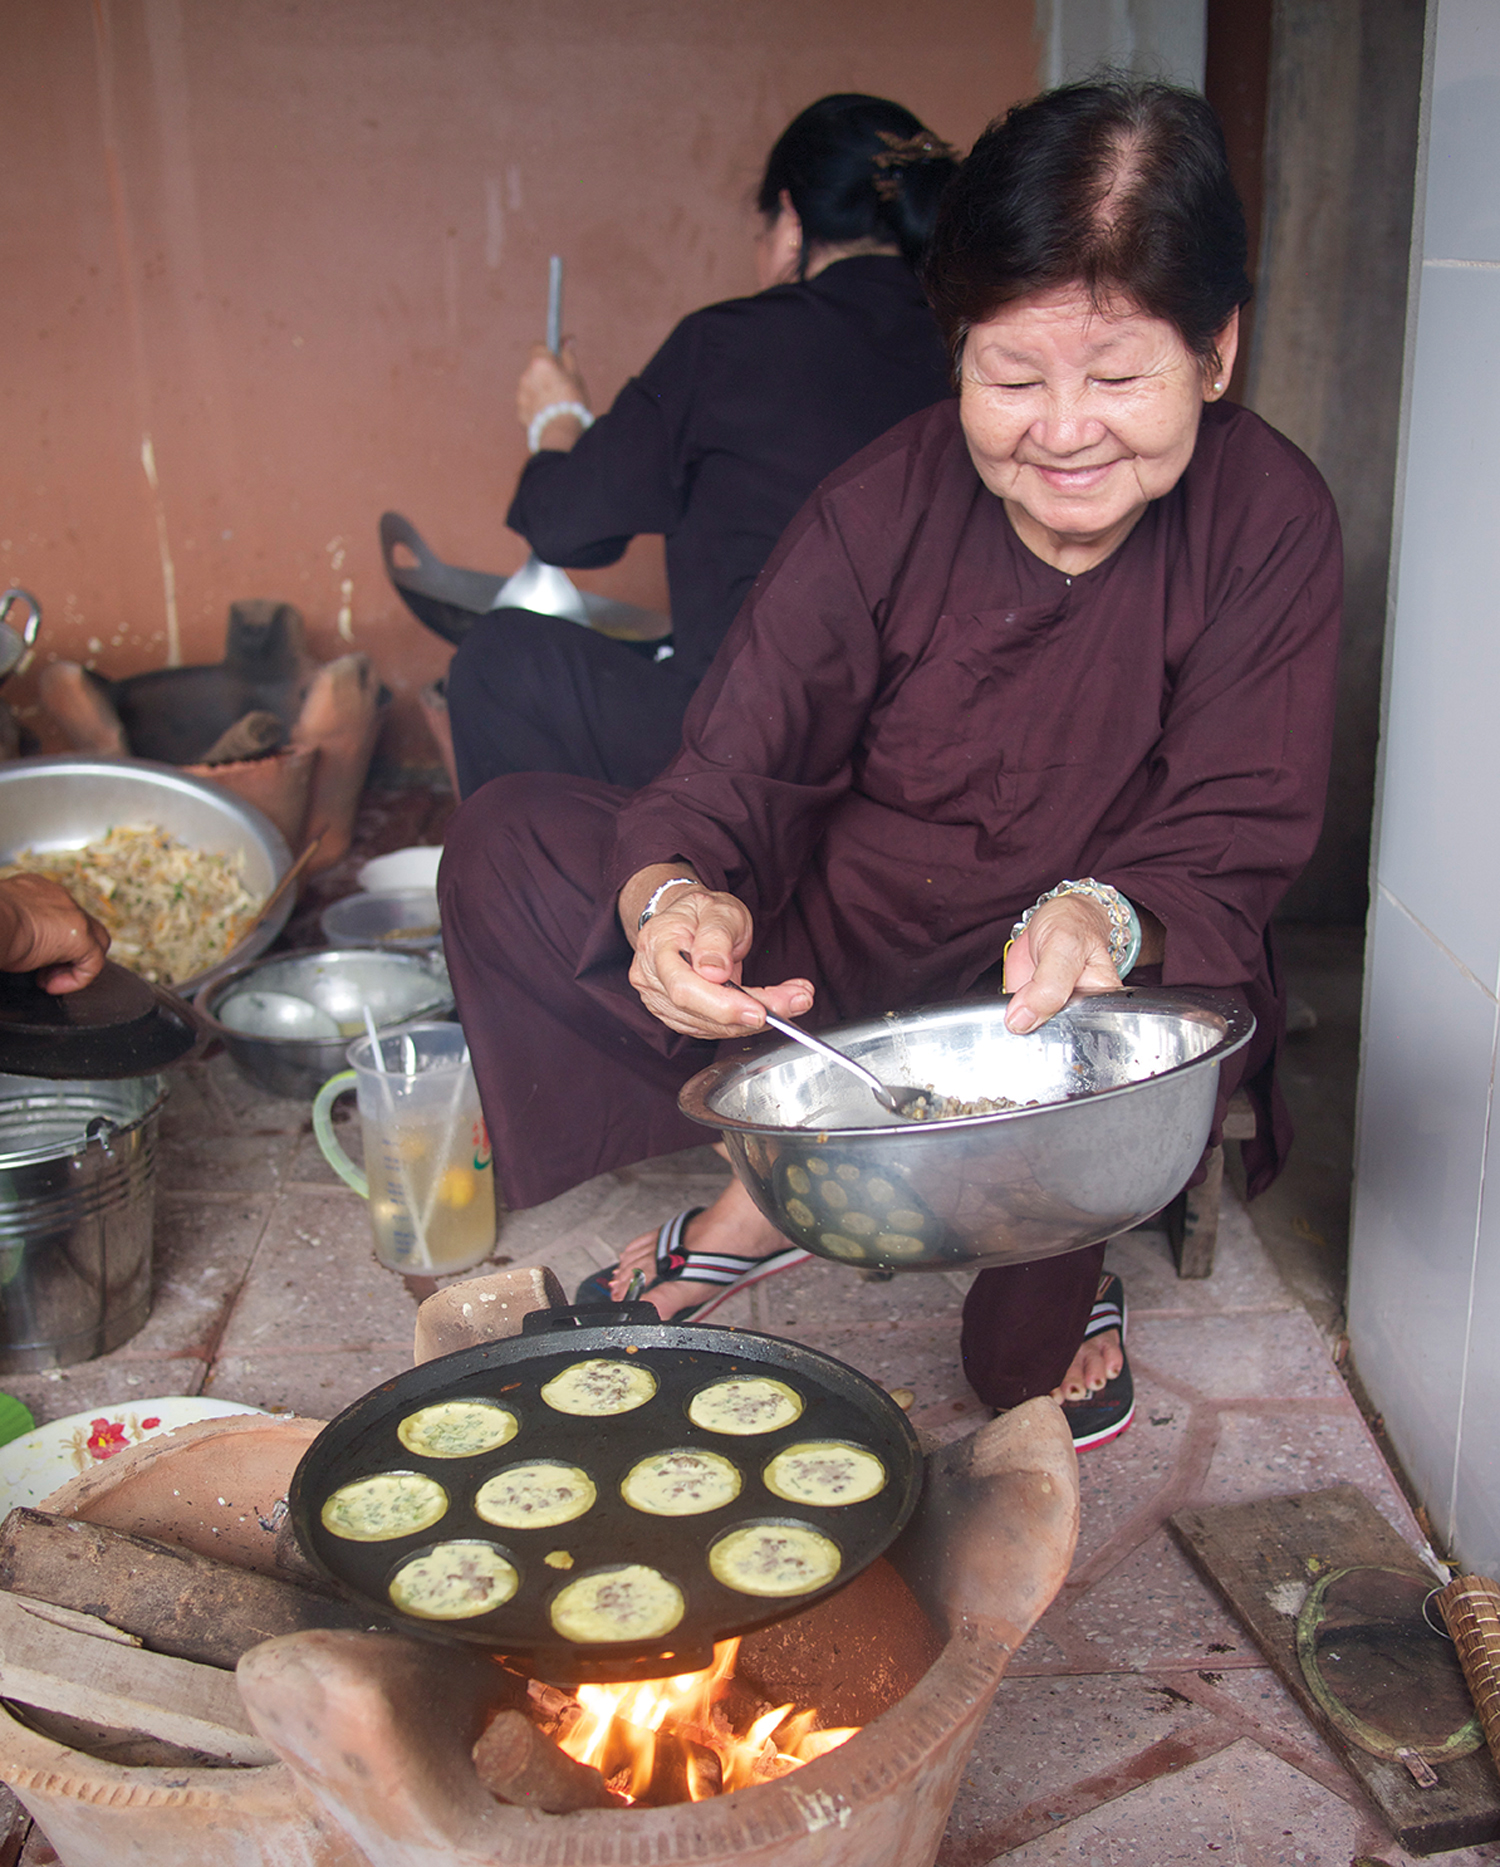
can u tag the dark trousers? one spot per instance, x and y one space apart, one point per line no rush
539 693
1023 1324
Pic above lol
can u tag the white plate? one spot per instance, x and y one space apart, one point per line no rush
34 1465
415 867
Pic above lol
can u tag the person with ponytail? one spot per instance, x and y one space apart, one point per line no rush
746 407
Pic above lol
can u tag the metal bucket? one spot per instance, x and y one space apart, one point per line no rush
77 1198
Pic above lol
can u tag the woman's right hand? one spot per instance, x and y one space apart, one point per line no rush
44 930
692 944
549 378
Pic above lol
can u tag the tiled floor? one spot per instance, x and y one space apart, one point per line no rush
1139 1725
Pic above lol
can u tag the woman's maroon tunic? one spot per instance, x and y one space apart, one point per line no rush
915 728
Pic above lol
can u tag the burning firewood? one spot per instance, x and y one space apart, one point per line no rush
517 1764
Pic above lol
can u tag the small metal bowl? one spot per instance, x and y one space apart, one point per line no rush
1123 1086
399 988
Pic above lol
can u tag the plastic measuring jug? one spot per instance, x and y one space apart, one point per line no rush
428 1177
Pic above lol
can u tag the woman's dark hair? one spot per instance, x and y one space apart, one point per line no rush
1118 185
859 168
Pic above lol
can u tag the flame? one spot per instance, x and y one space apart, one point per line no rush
618 1733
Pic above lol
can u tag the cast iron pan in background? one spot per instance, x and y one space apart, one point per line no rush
839 1404
118 1025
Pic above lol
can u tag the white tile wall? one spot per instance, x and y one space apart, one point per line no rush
1463 187
1442 763
1424 1303
1476 1505
1429 1047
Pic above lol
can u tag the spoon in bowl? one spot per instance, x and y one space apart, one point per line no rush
896 1100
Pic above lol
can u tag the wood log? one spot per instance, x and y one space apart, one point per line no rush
252 735
178 1602
517 1764
108 1682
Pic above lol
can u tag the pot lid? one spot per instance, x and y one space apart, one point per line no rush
117 1025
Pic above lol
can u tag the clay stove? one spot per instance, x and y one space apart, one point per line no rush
375 1731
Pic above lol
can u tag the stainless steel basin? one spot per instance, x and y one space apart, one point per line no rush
1124 1086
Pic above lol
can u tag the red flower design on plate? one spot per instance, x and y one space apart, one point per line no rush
106 1438
147 1425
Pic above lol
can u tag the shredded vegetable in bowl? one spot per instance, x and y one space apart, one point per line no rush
172 912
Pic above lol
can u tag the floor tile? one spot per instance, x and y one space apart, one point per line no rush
225 1163
844 1299
201 1250
1267 1455
317 1386
1152 1607
315 1282
1240 1357
1042 1738
112 1381
1244 1806
1122 1478
1243 1276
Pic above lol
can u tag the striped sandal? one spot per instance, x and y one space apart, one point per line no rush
1105 1415
674 1260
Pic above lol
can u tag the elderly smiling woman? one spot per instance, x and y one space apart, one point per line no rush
1063 650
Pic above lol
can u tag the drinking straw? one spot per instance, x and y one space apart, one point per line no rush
450 1129
422 1258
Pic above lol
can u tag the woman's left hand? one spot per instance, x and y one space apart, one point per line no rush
1065 949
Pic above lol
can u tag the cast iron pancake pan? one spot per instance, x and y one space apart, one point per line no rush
839 1404
117 1025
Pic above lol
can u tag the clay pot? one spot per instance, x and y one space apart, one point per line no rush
280 784
214 1487
374 1730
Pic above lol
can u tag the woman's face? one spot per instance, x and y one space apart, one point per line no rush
1077 418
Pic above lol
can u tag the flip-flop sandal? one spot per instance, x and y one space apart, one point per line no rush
674 1260
1105 1415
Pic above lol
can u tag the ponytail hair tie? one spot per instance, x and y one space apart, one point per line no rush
902 152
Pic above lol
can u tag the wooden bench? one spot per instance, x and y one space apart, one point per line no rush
1193 1216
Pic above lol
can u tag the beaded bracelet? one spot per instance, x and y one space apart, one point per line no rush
537 426
1124 922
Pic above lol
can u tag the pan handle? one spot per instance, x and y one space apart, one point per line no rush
589 1316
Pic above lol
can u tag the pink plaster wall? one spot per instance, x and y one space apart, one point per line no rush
301 245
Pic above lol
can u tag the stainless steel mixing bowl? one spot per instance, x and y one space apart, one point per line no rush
1124 1085
67 801
399 988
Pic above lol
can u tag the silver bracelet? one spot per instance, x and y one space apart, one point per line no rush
672 881
537 426
1124 922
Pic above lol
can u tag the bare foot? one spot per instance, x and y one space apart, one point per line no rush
1098 1361
733 1223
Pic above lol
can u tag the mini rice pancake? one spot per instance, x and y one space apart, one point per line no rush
457 1429
681 1483
454 1582
825 1472
533 1497
599 1387
774 1559
632 1603
371 1510
745 1405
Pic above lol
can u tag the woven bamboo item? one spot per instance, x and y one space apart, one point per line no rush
1470 1605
